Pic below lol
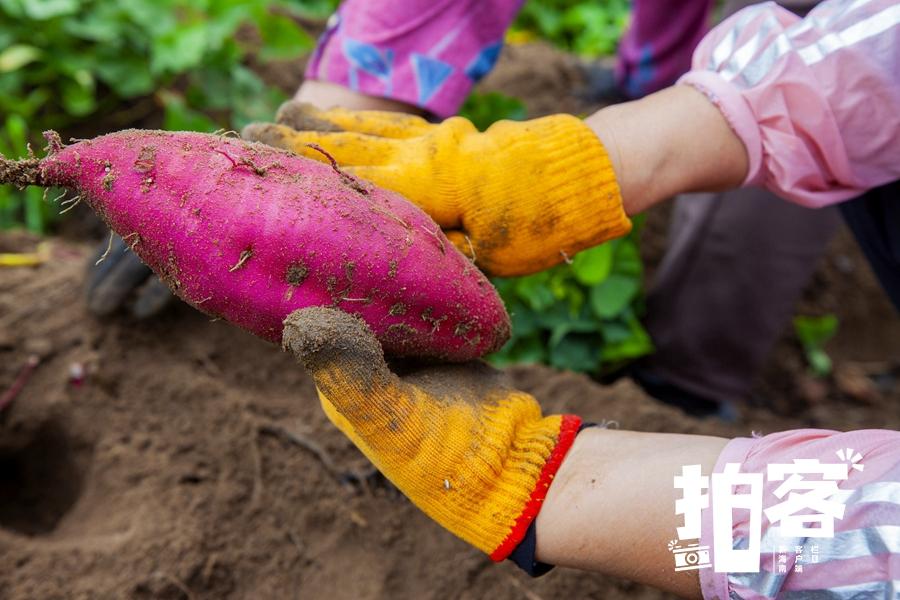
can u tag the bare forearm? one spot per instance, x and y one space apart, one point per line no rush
670 142
611 507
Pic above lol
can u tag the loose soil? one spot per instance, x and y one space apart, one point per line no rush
181 458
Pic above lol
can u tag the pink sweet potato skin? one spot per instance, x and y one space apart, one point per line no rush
250 233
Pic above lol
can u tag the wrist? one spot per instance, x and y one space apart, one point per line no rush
611 507
671 142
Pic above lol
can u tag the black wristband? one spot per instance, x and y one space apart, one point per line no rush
523 555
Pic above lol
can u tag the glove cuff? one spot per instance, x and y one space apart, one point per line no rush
567 195
568 429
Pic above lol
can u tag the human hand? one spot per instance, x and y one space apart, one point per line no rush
119 274
471 452
517 198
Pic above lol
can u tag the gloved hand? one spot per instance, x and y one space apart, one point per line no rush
518 198
120 274
472 453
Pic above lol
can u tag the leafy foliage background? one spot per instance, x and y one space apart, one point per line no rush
65 62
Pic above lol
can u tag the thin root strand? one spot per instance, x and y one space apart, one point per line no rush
242 259
22 378
108 249
72 203
347 178
437 237
471 247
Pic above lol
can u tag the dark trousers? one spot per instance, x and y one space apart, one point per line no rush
874 218
735 267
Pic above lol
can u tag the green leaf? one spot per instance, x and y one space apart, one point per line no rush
486 109
17 56
103 23
7 207
178 50
819 362
16 132
35 210
615 332
534 292
552 316
618 349
154 17
314 9
128 76
561 330
610 297
814 333
524 321
593 265
252 100
628 257
13 8
41 10
78 94
520 351
576 352
178 117
282 38
629 349
224 18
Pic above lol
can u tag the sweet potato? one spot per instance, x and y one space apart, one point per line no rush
250 233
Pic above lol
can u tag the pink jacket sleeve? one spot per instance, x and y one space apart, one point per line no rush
816 101
862 557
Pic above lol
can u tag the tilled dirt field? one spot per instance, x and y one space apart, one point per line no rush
185 459
181 458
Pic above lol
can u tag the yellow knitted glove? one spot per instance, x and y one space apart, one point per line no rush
473 454
518 198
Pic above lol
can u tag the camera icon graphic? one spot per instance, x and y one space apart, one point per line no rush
689 557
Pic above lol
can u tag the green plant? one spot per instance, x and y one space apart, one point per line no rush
484 109
586 27
814 333
581 315
68 62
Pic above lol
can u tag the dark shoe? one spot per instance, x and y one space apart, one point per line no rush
600 85
115 275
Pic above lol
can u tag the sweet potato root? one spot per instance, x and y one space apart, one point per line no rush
249 233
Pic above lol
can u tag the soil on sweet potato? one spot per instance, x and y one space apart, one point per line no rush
155 459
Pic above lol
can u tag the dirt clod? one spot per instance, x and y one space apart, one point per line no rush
297 274
21 173
302 117
146 160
